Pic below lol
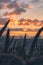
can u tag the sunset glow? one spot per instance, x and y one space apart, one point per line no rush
25 16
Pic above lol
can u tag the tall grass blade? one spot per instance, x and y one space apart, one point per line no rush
13 47
23 47
41 49
2 30
11 39
7 41
35 41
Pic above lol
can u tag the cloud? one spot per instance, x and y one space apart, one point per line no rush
0 6
41 6
16 12
18 29
18 9
34 22
35 1
38 22
4 4
31 30
3 20
23 29
30 6
28 30
1 1
23 21
16 6
42 21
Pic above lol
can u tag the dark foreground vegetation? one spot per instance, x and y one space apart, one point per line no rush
15 54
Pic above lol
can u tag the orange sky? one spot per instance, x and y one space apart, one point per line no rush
26 16
31 28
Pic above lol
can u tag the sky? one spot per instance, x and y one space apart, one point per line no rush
26 16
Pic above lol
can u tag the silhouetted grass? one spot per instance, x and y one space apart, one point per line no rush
24 44
11 39
41 49
2 30
7 39
22 52
14 44
13 47
37 49
34 42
